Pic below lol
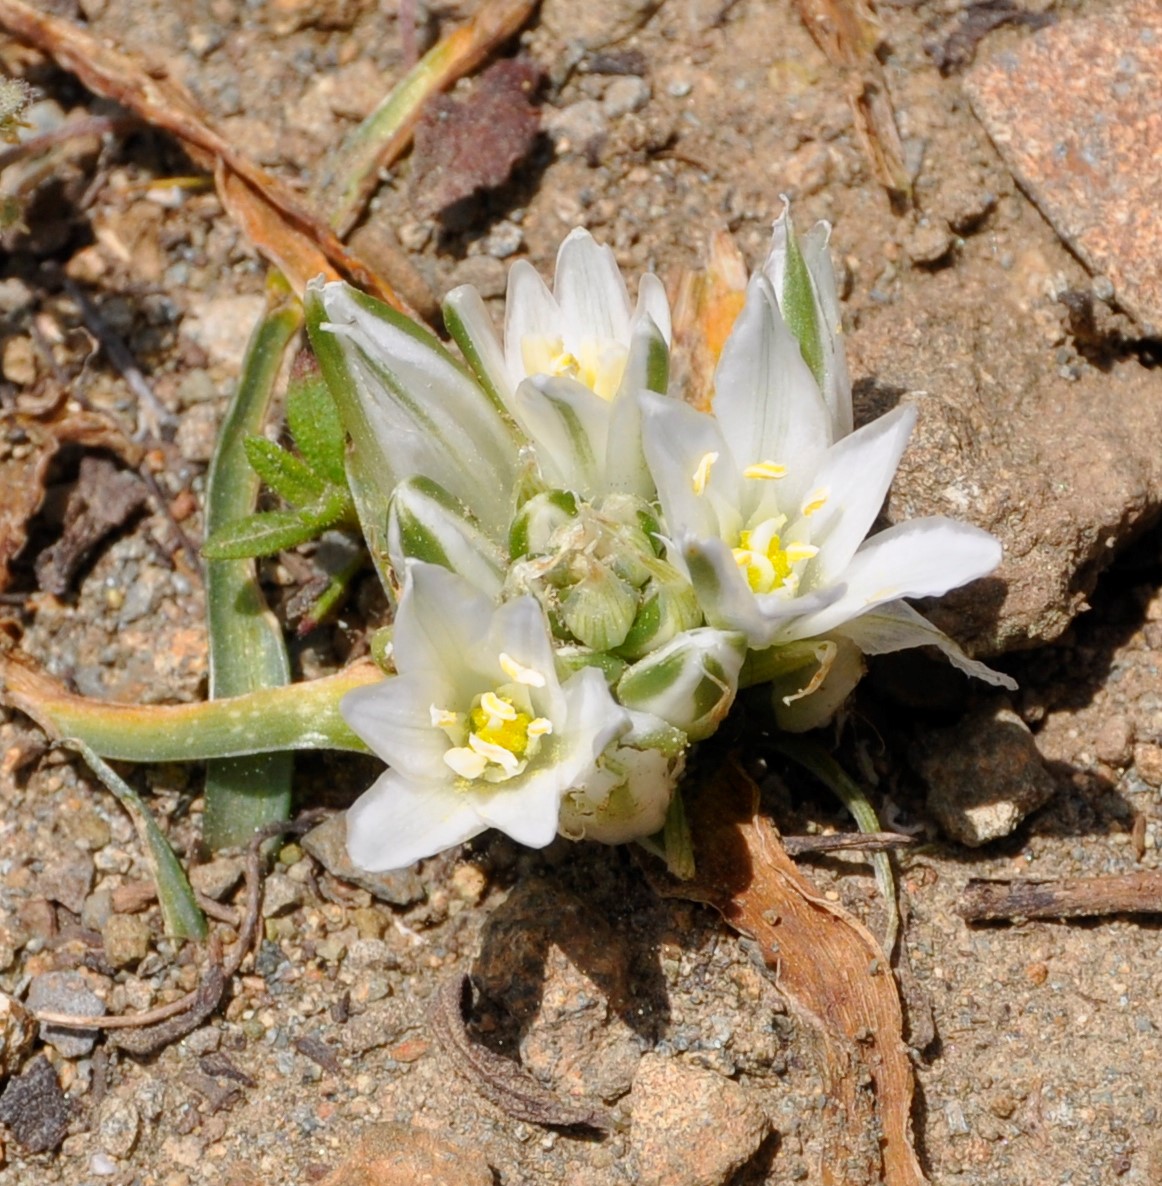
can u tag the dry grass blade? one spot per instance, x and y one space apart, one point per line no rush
848 32
281 228
1081 897
370 149
829 968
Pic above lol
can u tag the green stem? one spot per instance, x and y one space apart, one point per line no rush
815 759
247 650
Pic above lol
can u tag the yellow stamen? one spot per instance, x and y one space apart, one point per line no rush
815 500
540 727
702 474
443 718
465 762
519 674
765 470
497 709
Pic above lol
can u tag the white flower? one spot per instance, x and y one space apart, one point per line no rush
769 516
572 362
477 729
411 410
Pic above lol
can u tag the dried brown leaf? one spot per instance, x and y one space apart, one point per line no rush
829 968
706 303
22 475
467 144
280 227
104 498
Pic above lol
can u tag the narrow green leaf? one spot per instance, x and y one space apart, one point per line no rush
314 421
290 478
247 649
179 908
263 534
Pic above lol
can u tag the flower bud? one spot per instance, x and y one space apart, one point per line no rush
424 522
690 682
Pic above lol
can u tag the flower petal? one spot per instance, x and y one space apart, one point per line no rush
570 425
518 630
676 440
403 396
653 303
530 311
896 626
397 822
855 474
729 603
765 396
591 291
394 718
837 379
441 617
528 812
470 325
921 558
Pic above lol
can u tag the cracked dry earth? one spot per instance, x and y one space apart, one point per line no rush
1036 1043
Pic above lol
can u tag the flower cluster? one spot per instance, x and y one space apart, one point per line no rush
587 567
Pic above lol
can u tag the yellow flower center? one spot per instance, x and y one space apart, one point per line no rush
494 740
763 560
598 363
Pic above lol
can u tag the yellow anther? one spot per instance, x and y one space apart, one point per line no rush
467 763
815 500
765 469
444 718
540 727
497 709
702 474
797 552
519 674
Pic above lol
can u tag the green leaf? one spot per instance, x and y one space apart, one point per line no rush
291 479
179 908
269 532
314 421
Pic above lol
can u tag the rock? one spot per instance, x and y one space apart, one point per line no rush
219 877
67 880
280 895
1062 472
691 1127
1074 112
484 272
1148 763
65 992
984 775
563 973
1114 743
328 845
126 940
221 327
929 243
596 23
624 96
197 433
579 128
17 1030
34 1107
396 1155
118 1126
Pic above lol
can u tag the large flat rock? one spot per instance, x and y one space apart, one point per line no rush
1076 112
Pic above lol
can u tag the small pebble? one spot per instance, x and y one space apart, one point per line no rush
280 895
625 95
126 939
217 878
118 1126
503 240
66 992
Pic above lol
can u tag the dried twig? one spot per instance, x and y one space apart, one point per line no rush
1080 897
846 842
500 1080
155 1028
293 237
